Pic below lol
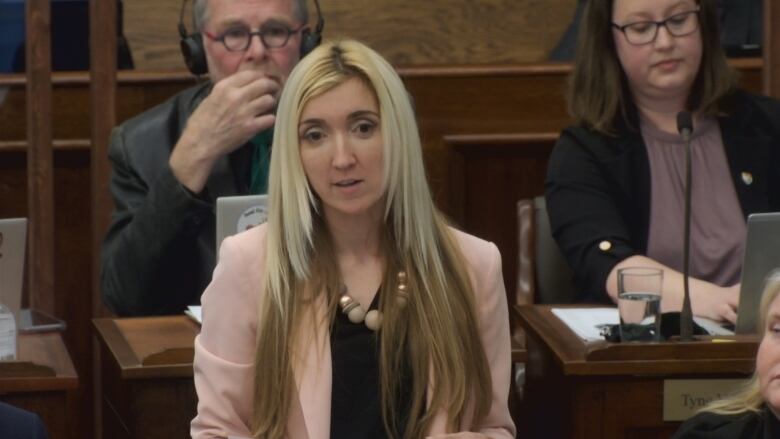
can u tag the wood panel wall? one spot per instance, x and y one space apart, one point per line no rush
771 48
410 32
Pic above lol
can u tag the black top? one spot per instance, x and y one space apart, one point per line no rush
749 425
356 407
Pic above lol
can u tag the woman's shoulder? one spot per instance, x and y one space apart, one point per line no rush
248 245
580 134
478 253
747 106
230 302
238 275
578 140
710 425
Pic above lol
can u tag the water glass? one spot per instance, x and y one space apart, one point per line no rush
639 303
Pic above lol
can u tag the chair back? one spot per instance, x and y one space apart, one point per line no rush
543 275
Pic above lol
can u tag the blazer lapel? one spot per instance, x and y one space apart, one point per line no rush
313 373
749 154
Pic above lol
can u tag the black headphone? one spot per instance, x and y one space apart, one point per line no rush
195 54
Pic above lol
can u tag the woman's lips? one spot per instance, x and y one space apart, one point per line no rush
668 64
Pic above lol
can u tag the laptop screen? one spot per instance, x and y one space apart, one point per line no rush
13 239
762 256
236 214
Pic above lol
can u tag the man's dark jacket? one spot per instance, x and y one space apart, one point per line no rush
598 187
158 254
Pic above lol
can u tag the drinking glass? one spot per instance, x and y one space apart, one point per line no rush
639 303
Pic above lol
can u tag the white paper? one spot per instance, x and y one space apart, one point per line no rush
194 312
712 326
587 322
7 334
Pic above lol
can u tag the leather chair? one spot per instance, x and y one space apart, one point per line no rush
543 275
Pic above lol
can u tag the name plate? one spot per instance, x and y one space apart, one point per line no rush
683 398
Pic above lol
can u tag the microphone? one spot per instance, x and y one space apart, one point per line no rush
685 128
685 125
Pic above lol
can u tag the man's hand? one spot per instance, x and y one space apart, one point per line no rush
238 107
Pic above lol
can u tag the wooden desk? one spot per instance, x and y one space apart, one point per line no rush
146 383
603 390
42 381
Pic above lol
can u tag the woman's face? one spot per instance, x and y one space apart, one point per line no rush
667 66
768 358
342 150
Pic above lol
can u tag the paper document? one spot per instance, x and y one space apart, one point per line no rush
587 322
194 313
712 326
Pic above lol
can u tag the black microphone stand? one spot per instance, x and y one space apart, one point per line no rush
685 127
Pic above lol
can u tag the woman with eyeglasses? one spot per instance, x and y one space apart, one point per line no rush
616 180
356 311
753 411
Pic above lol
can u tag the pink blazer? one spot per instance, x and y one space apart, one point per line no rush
224 350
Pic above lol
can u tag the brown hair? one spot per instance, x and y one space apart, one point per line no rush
598 92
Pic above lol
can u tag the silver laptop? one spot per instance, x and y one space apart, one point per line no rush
13 240
236 214
762 255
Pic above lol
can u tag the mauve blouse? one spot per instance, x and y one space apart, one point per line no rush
718 227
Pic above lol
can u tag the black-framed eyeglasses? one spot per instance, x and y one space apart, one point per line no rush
639 33
272 35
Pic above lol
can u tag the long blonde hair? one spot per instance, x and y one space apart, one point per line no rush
300 264
748 398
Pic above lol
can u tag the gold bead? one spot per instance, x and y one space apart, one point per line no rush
345 301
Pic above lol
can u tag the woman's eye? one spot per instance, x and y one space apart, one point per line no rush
640 28
364 128
313 135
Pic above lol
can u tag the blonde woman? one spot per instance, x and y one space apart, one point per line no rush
753 411
356 311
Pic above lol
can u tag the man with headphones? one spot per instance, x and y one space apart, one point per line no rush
171 162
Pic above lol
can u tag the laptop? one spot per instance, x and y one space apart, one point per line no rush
239 213
762 256
13 240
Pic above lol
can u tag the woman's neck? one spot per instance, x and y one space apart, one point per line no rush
354 237
661 113
356 243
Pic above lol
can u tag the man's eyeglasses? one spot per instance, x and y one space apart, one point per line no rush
644 32
238 39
